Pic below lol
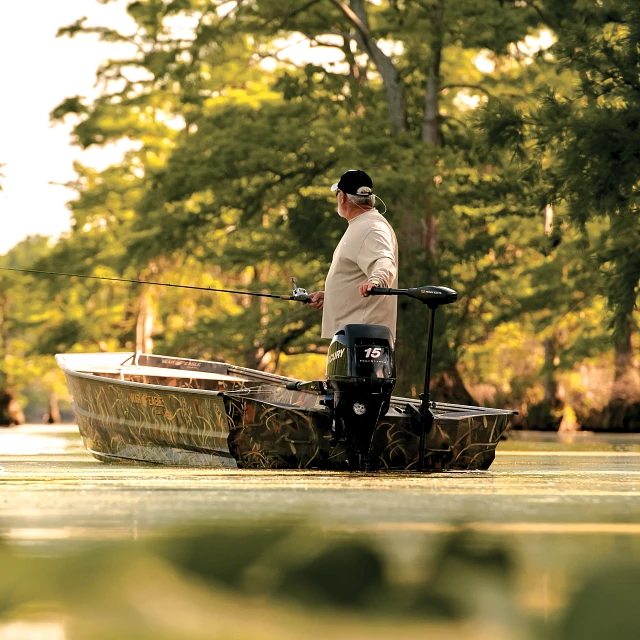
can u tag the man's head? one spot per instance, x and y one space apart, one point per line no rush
354 192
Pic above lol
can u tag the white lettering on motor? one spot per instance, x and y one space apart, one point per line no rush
335 356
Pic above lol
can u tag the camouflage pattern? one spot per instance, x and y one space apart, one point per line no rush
269 430
275 428
221 423
149 423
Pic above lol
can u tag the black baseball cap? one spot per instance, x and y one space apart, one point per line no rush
355 182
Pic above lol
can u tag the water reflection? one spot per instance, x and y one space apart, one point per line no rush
34 440
27 630
562 509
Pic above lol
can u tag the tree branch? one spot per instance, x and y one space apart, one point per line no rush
363 30
393 86
538 10
466 86
294 13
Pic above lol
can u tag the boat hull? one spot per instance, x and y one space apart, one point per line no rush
216 415
270 432
121 420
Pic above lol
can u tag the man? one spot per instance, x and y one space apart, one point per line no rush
366 257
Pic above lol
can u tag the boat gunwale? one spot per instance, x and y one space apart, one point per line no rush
443 410
127 383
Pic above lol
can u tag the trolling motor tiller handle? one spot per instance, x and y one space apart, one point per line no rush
432 297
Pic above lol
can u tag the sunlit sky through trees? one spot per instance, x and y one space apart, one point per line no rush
38 71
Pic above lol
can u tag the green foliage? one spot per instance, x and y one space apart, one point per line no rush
232 147
25 310
581 149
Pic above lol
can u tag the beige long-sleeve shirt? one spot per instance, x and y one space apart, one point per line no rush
368 250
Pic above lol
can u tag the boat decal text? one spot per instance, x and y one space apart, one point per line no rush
148 400
183 364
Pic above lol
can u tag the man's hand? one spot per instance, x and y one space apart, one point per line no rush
317 300
365 287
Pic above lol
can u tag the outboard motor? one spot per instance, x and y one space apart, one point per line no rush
361 373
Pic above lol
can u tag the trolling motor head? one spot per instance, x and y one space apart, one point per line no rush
430 295
433 296
422 421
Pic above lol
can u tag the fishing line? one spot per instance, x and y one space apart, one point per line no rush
301 296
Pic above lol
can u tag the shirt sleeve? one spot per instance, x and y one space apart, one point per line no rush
377 257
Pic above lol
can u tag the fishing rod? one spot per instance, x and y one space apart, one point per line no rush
299 294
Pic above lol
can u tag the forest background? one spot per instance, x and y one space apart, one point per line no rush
504 137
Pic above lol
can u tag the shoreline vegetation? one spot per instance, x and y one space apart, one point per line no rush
504 141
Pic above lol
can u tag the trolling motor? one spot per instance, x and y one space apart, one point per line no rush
361 375
433 297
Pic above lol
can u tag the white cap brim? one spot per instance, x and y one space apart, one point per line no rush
334 187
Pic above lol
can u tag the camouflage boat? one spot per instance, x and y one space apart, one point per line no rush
152 408
177 411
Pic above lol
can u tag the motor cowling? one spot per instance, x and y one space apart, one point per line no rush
361 373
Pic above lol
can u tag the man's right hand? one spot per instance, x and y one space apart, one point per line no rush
317 300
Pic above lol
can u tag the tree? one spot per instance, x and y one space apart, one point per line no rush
21 320
249 154
582 150
226 180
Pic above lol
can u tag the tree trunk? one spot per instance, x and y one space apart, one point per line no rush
548 220
357 76
145 322
430 230
568 424
393 86
53 415
4 340
430 128
264 355
548 414
10 411
448 386
549 383
623 410
431 124
418 239
626 383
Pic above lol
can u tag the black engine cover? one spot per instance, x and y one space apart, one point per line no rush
361 372
362 351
